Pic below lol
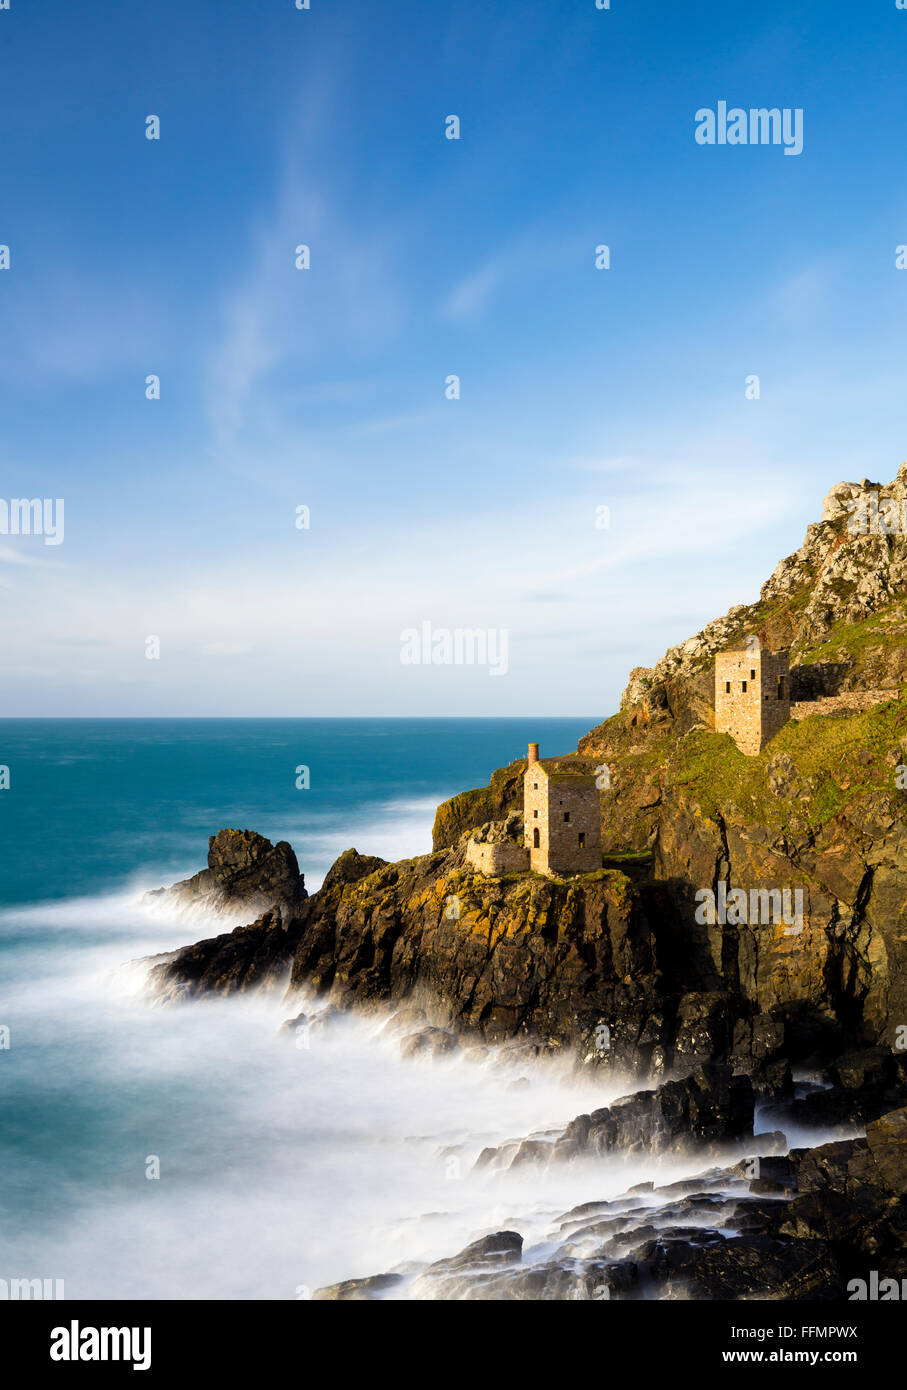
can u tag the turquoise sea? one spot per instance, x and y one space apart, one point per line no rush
96 803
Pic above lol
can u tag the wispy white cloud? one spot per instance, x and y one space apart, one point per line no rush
521 260
321 632
277 317
469 297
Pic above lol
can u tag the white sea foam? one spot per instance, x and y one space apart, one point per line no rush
283 1166
392 830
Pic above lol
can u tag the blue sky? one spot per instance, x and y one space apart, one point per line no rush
580 388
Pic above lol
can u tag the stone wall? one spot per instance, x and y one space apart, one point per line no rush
775 683
500 858
850 702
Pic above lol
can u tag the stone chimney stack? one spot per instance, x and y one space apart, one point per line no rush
533 753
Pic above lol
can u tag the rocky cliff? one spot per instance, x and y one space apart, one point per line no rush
498 958
821 810
839 604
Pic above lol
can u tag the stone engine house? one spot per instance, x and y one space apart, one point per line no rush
752 697
561 816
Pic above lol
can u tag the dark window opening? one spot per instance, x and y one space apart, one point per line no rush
727 687
566 815
535 838
743 683
535 786
536 814
752 675
780 687
582 839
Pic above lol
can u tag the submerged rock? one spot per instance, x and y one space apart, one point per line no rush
359 1290
463 1274
430 1042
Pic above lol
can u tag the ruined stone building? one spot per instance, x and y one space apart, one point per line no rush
561 816
752 697
497 847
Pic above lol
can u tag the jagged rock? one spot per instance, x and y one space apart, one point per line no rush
350 867
870 1069
509 830
245 959
781 775
852 1198
837 576
311 1024
886 1140
245 873
705 1113
812 1222
703 1031
826 1168
532 1151
864 1085
467 810
709 1109
528 959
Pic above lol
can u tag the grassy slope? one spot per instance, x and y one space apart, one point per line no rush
835 758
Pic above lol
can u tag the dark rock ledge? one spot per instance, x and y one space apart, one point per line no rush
812 1225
